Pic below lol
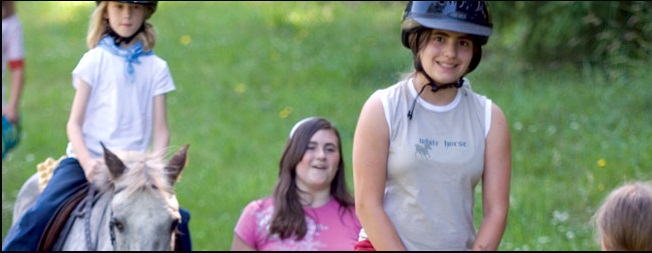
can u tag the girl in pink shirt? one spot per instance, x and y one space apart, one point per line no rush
311 207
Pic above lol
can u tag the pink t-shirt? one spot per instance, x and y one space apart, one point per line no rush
327 231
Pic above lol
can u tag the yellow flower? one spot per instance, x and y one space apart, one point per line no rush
285 112
185 39
602 163
240 88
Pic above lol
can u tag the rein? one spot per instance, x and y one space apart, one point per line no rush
87 203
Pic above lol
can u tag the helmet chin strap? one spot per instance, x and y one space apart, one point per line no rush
433 86
119 39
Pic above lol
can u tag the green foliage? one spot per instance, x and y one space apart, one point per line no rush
247 71
612 34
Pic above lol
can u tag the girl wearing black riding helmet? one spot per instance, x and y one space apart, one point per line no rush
418 155
118 82
100 26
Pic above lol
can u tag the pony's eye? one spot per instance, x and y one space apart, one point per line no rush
117 224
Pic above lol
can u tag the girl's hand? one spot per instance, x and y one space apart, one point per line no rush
89 166
11 114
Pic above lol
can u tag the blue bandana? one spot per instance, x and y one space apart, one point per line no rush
130 54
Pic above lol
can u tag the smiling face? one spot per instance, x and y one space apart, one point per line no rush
319 163
446 55
125 18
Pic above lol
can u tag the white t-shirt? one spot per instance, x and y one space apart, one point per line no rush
12 46
119 113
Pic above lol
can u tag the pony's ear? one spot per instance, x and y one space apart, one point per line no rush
177 163
116 166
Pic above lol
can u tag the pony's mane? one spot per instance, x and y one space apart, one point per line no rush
143 171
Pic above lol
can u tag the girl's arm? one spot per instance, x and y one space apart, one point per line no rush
17 81
370 151
161 133
495 183
240 245
74 128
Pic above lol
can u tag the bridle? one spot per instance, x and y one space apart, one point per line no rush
87 205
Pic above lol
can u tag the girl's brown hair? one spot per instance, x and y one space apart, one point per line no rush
417 41
8 9
99 27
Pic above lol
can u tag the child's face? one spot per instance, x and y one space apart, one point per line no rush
319 164
447 55
125 18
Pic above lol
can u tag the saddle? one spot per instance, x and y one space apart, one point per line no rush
59 219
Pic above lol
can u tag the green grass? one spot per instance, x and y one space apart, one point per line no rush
253 69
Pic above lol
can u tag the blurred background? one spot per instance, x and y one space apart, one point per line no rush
573 79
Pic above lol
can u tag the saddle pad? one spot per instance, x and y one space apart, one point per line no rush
45 170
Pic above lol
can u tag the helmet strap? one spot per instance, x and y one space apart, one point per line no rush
434 86
119 39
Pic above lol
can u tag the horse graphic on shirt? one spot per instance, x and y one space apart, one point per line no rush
422 150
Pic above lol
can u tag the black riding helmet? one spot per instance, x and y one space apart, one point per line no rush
469 17
151 4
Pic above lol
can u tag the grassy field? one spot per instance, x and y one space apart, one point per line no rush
247 71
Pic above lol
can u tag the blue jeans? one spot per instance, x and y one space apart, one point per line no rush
67 178
186 243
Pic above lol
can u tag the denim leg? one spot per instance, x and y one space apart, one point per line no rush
186 243
67 178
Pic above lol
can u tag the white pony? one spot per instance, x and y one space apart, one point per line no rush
134 206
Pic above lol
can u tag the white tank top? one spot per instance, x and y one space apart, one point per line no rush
435 161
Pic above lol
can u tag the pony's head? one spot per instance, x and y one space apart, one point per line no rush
145 210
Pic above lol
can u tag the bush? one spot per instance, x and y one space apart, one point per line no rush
612 34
